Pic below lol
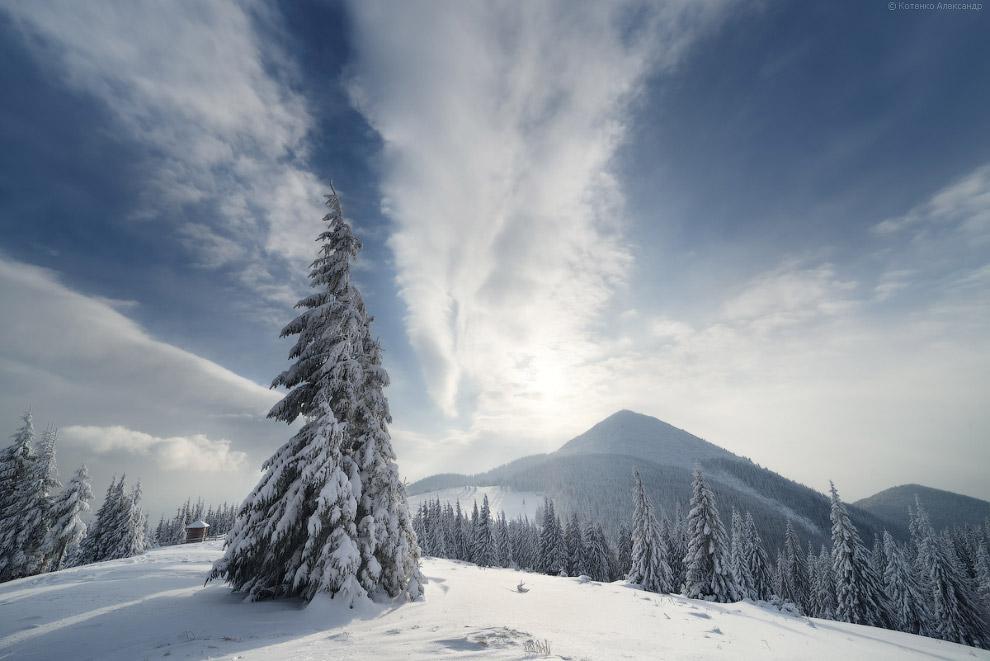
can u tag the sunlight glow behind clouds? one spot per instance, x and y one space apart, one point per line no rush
500 121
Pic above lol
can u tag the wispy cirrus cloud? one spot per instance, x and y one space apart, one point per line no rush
211 101
500 122
77 361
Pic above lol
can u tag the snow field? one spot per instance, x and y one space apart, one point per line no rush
155 606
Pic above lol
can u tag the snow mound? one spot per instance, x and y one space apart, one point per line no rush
155 606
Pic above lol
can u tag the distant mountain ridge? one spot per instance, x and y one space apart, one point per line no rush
592 474
944 508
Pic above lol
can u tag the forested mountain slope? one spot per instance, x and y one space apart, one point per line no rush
592 475
945 508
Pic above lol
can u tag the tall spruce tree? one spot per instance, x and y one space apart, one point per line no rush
67 528
858 590
553 549
649 565
329 514
575 547
18 470
709 575
758 561
389 549
795 581
485 554
94 546
908 606
596 552
955 611
738 558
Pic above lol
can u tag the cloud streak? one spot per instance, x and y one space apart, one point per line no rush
195 453
500 123
209 99
83 365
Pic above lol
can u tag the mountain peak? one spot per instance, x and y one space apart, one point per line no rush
645 437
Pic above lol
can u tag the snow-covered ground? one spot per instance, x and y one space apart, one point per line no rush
155 606
500 499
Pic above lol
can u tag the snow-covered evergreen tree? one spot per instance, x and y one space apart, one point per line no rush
295 534
575 547
553 549
738 558
709 575
67 527
956 614
596 553
903 593
94 545
649 566
623 552
330 513
795 572
823 586
135 523
389 548
503 548
485 554
17 469
758 561
858 590
30 474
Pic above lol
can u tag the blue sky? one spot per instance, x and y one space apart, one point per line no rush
767 223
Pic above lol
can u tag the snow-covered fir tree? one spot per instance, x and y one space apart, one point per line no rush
94 544
758 561
553 549
955 610
794 576
823 586
675 537
649 565
17 467
329 514
485 554
575 547
596 552
908 606
67 528
708 575
135 524
738 558
623 552
29 478
858 590
389 549
503 548
119 528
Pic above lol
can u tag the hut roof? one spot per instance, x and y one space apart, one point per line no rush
198 524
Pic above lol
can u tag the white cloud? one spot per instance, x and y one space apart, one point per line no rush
80 363
789 295
500 123
195 453
962 206
202 90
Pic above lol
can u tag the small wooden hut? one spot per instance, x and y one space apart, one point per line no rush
197 531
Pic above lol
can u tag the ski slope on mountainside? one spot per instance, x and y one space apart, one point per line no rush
155 606
500 499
